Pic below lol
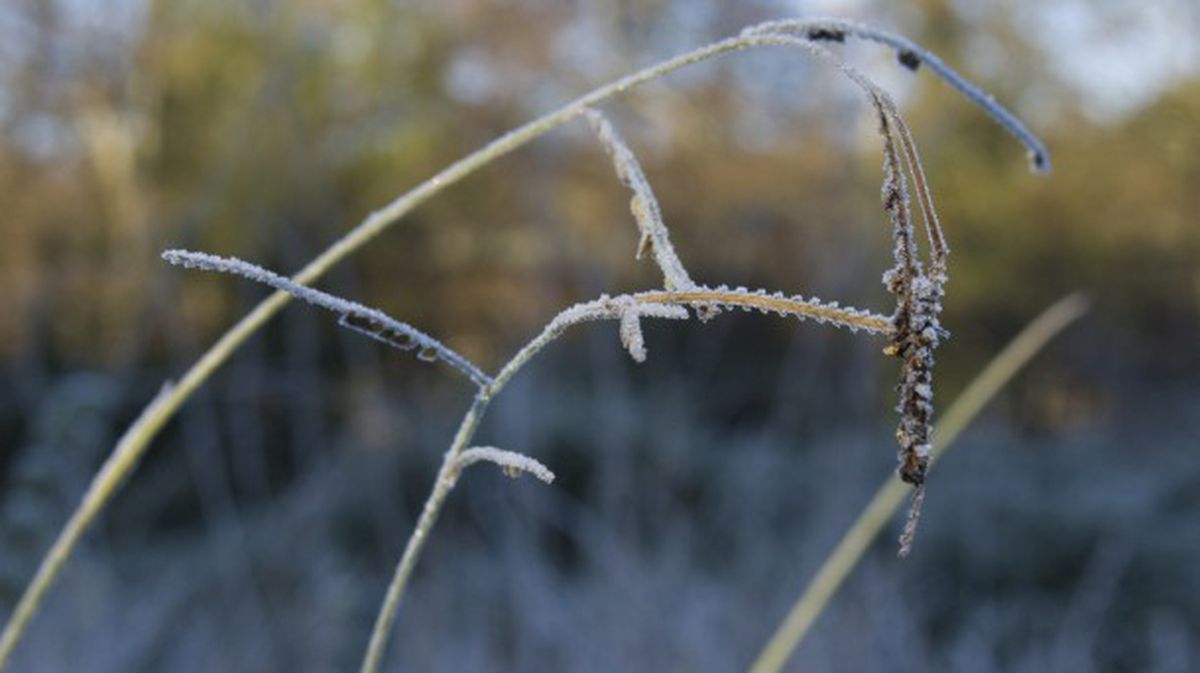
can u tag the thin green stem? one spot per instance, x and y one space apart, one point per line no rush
446 477
891 493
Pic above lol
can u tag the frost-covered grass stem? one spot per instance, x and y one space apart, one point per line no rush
657 304
442 485
912 55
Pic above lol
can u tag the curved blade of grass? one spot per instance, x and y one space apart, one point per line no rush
891 494
139 436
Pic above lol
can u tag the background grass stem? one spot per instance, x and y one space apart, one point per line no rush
891 494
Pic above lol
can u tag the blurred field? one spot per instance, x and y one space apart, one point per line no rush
698 491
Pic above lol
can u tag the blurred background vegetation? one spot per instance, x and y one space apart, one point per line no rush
698 491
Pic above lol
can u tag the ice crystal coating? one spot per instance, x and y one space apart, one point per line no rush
643 204
911 55
365 320
721 297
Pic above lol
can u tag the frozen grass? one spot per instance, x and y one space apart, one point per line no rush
913 330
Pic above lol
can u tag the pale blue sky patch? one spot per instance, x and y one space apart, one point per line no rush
1118 56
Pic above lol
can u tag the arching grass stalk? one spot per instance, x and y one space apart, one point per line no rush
890 496
802 34
627 309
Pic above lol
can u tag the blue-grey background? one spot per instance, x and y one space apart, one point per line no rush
697 492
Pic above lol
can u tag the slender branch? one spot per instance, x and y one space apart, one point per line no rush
939 250
660 304
643 204
603 308
854 319
363 319
912 55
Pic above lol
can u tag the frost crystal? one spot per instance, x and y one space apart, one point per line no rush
365 320
512 463
710 301
643 204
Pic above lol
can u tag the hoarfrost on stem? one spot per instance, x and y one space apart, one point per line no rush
353 315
